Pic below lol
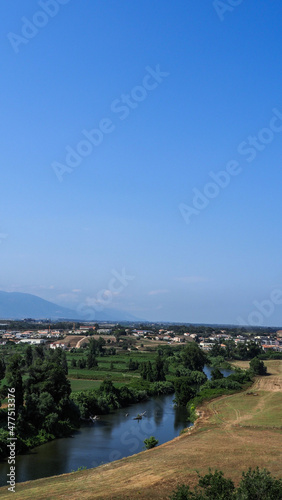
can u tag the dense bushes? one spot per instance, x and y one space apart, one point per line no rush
258 367
223 383
183 391
270 354
43 408
108 397
161 388
218 387
187 386
150 442
255 485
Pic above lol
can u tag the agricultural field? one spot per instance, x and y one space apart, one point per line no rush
113 366
232 434
83 385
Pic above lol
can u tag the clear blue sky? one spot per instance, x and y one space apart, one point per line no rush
119 208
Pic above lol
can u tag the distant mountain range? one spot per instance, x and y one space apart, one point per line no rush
15 305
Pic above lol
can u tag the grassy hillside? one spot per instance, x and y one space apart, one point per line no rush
233 433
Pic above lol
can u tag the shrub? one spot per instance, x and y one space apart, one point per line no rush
257 366
259 485
150 442
255 485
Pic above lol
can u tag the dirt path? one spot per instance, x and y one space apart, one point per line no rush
218 440
80 342
262 389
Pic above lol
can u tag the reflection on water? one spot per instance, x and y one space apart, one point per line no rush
178 418
112 437
208 369
158 413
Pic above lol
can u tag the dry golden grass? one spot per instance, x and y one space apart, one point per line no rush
70 339
218 440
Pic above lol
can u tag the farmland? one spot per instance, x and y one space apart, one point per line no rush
115 366
231 434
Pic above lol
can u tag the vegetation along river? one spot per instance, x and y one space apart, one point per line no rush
110 438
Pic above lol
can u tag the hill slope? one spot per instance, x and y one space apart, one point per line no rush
232 434
15 305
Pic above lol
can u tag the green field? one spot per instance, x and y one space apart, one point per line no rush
231 434
263 410
260 406
101 375
114 367
83 385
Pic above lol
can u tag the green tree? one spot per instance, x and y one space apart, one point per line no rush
48 377
107 387
230 348
212 486
2 368
242 351
146 371
216 486
81 363
217 350
254 349
254 485
193 357
101 344
197 378
216 374
158 373
259 485
39 352
51 423
183 391
133 365
28 356
14 379
93 346
58 356
258 367
38 407
150 442
91 360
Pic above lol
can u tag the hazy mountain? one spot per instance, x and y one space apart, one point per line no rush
15 305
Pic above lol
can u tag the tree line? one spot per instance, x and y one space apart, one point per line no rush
255 484
43 407
46 409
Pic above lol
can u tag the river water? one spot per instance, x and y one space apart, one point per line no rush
112 437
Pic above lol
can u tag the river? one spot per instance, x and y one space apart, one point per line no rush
112 437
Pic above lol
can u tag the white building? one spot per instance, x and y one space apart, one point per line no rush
33 341
55 346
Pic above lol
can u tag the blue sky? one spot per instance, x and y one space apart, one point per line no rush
215 99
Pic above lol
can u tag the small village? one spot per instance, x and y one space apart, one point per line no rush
77 336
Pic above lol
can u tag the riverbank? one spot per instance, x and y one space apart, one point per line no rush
112 437
232 433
